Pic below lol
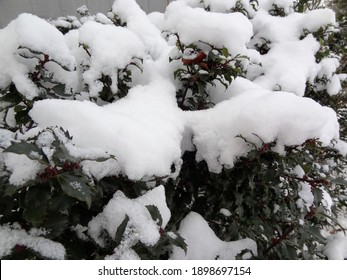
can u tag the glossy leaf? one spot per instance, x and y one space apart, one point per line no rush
155 214
76 187
28 149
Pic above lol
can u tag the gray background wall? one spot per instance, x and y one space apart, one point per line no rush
10 9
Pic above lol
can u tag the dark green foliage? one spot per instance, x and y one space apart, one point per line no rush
201 69
277 11
13 102
124 79
261 192
62 197
241 9
301 6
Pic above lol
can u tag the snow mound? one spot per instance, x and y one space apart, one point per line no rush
255 114
289 66
291 62
221 30
22 168
336 249
111 48
141 226
29 32
143 130
10 236
138 22
197 234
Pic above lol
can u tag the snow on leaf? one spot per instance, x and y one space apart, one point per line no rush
76 187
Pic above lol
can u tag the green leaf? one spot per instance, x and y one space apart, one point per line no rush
76 187
339 181
225 52
37 195
56 223
318 195
155 214
12 96
31 50
28 149
22 117
60 90
10 190
238 198
316 233
66 68
62 154
178 241
60 203
19 108
35 216
121 229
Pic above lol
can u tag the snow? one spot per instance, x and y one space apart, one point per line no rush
262 113
29 31
334 85
306 197
291 62
288 66
315 19
83 10
197 234
267 5
145 133
21 167
141 226
225 212
108 52
5 138
336 249
138 22
220 30
220 6
36 34
10 236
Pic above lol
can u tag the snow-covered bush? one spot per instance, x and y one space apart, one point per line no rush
210 131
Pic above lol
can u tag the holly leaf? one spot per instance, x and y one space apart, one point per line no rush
318 195
56 223
339 181
37 195
28 149
35 216
225 52
155 214
121 229
62 154
10 189
60 90
76 187
178 241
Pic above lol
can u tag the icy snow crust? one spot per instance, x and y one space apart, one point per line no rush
145 131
